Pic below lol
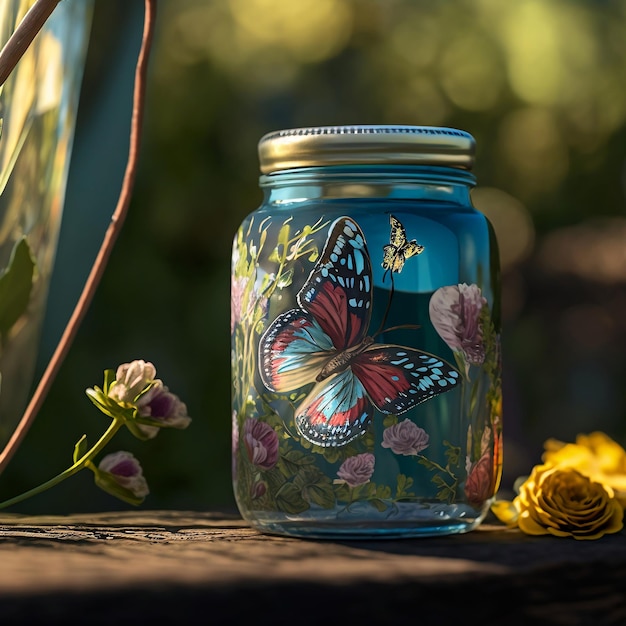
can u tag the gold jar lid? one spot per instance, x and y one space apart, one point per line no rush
355 145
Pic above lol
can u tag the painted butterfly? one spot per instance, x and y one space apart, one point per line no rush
398 250
324 341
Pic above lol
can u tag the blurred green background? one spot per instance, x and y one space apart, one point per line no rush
539 83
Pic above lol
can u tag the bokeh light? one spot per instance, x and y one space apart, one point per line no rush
539 83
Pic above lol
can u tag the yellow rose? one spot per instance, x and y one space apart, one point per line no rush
596 456
563 502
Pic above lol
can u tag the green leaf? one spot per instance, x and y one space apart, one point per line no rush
291 462
332 455
315 487
274 256
15 286
368 440
108 484
289 500
102 402
445 495
404 483
283 237
390 420
383 492
285 279
439 481
453 453
427 463
275 480
137 432
342 492
322 494
109 379
80 449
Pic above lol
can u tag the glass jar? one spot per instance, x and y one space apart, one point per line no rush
366 337
38 105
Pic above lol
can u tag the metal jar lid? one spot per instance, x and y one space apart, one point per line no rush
355 145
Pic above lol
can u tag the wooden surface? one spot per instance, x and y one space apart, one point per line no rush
197 568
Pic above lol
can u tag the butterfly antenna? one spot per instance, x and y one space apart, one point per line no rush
384 320
400 327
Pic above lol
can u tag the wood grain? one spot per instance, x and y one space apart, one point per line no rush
137 567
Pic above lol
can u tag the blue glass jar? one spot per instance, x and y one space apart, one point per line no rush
366 337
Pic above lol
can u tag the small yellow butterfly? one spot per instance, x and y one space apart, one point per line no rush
398 250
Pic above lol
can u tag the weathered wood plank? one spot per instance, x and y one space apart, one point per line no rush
141 566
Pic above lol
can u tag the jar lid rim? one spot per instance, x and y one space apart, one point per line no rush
365 143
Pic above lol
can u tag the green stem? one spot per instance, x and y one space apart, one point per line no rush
84 461
445 470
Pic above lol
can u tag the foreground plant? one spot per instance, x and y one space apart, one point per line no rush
132 397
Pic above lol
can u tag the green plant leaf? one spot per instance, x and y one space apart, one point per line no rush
404 483
136 431
289 500
453 453
108 484
332 455
427 463
390 420
315 487
342 492
383 492
285 279
16 283
274 479
80 449
322 494
291 462
109 379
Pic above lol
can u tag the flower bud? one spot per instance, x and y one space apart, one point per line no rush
121 475
131 379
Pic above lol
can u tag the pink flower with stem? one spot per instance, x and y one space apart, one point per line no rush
356 470
261 443
405 438
455 314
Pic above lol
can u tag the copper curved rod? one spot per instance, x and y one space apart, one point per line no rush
23 36
117 219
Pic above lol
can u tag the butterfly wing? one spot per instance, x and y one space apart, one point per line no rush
338 292
398 378
335 312
334 315
335 412
411 249
400 256
398 233
292 351
390 258
398 250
